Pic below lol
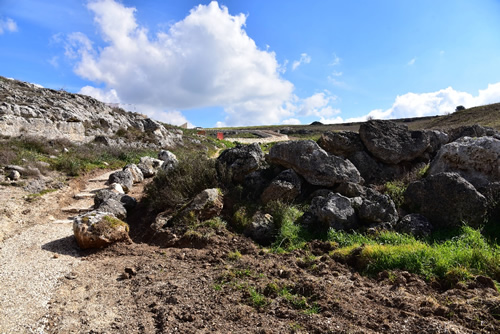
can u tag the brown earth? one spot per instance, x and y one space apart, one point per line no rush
208 287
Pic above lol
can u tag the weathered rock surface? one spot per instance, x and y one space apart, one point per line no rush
377 208
169 160
476 159
334 210
114 207
446 200
105 194
207 204
149 166
137 175
392 143
241 160
123 178
30 110
284 187
99 229
414 224
470 131
261 228
343 143
313 163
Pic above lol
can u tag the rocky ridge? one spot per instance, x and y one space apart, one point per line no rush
27 109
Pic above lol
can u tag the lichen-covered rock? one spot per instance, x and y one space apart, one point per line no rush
169 160
123 178
313 163
392 143
446 200
476 159
343 143
149 166
334 210
241 160
97 229
284 187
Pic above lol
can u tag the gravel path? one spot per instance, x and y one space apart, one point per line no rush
31 264
38 253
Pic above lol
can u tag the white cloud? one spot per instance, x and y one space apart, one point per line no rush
412 61
207 59
304 59
109 96
8 25
436 103
318 105
291 121
336 60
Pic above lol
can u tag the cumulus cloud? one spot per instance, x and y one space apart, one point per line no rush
304 59
291 121
435 103
204 60
8 25
318 105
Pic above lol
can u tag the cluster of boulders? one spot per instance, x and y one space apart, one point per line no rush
339 177
105 224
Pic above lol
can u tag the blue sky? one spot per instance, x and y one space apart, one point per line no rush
231 63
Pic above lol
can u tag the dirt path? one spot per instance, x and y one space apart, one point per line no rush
37 250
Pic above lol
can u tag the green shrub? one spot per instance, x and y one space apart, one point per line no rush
172 189
396 190
286 218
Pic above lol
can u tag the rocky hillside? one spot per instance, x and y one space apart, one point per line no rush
27 109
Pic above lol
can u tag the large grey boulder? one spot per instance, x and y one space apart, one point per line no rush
207 204
392 143
97 229
476 159
334 210
343 143
137 175
123 178
446 200
377 208
285 187
241 160
149 166
169 160
436 140
313 163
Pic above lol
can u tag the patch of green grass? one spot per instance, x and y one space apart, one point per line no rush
234 256
286 217
257 299
396 189
461 257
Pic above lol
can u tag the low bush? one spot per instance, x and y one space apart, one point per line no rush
172 189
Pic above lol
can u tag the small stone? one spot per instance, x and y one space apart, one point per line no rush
131 271
71 275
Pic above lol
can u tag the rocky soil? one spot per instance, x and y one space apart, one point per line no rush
49 285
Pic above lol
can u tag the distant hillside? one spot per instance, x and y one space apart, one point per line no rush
487 115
